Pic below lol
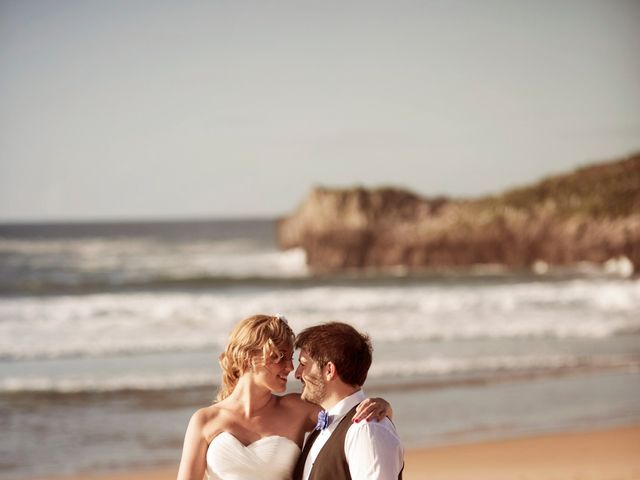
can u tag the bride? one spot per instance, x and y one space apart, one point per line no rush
250 432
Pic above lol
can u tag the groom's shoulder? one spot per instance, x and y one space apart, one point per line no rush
374 430
374 450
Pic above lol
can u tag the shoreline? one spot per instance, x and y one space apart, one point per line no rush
589 455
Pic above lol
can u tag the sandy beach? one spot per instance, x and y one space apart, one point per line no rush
597 455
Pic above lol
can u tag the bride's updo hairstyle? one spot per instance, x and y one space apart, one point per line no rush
251 343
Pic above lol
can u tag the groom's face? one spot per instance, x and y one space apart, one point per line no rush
310 374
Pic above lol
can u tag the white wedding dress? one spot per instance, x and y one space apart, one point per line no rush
270 458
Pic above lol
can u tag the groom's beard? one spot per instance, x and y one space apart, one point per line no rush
315 390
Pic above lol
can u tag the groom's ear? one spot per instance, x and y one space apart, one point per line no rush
330 371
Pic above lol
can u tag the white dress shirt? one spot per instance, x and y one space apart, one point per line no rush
373 449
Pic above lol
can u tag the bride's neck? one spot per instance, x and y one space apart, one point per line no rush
249 396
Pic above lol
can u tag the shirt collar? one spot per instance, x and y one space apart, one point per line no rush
343 406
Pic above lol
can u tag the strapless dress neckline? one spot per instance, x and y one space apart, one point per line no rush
271 458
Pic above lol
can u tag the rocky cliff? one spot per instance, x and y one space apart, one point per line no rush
592 215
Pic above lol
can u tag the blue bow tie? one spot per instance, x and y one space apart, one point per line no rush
323 420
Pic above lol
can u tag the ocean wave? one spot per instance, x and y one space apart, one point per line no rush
503 363
30 266
430 371
100 247
59 284
87 384
102 324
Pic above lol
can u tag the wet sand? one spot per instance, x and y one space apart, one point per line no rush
601 455
596 455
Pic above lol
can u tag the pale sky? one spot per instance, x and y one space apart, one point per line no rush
178 109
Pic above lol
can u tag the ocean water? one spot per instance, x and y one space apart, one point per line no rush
109 335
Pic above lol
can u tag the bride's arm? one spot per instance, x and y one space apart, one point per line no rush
194 451
373 409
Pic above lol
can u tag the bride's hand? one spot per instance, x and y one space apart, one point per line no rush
373 409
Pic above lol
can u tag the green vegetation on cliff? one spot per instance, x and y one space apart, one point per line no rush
609 190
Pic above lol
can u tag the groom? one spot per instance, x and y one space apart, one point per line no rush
334 361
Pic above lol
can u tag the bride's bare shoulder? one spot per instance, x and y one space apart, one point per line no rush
293 400
306 411
207 413
205 421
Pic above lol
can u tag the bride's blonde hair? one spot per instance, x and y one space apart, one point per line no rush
252 341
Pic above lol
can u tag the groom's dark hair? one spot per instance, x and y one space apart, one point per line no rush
341 344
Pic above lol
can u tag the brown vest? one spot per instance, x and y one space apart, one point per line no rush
331 462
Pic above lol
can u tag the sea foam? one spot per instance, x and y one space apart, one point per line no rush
437 368
102 324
